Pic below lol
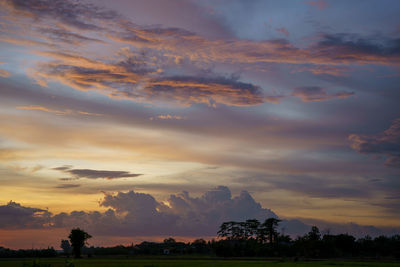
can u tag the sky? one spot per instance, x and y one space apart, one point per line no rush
140 120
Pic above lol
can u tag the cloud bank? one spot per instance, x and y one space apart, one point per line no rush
139 214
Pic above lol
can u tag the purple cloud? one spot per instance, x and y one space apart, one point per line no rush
386 143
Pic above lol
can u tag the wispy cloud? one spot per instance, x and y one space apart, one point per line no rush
4 73
283 31
319 4
168 117
386 143
134 78
58 112
315 93
67 186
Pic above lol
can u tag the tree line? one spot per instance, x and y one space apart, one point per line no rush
253 238
235 239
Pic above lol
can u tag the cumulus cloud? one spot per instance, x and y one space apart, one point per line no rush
14 216
139 214
386 143
315 93
95 174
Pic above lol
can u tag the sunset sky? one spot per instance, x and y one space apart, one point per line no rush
139 120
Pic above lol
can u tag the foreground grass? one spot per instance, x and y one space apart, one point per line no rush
107 262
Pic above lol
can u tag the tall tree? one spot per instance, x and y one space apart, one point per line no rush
78 239
268 229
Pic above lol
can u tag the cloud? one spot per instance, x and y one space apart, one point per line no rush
137 79
322 70
132 213
150 73
191 90
283 31
59 112
331 49
67 186
25 42
95 174
64 36
319 4
15 216
348 48
75 14
314 186
276 99
386 143
168 117
4 73
315 93
139 214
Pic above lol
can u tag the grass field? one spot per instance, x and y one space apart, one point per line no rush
179 263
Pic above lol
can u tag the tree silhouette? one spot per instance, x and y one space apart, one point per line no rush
314 234
268 229
78 239
66 246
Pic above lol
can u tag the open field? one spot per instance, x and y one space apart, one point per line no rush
107 262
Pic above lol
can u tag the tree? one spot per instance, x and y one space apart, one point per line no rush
169 241
78 239
268 229
251 227
66 246
231 230
314 234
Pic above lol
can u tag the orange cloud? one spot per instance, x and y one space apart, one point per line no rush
4 73
133 78
58 112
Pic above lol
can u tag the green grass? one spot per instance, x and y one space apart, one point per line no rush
110 262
